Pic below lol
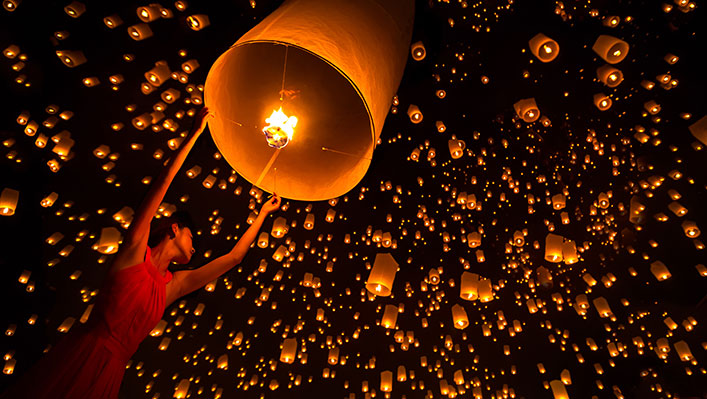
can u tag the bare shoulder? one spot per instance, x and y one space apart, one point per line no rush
127 256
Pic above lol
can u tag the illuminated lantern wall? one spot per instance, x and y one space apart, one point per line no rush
334 65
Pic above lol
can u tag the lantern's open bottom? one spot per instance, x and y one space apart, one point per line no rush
333 142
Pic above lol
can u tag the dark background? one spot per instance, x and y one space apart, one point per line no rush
557 152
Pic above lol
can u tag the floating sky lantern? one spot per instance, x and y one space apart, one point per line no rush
8 201
527 110
610 49
418 51
380 281
544 48
340 93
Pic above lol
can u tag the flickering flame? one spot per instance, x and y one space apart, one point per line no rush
279 129
547 49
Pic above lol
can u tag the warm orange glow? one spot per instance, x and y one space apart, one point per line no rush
280 129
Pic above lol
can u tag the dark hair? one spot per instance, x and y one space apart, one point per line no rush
162 227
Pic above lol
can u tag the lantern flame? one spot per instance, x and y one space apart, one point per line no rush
280 129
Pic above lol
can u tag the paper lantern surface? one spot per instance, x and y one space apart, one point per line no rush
334 65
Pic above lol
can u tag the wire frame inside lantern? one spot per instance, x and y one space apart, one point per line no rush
332 65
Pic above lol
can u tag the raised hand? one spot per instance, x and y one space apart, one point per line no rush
200 120
272 204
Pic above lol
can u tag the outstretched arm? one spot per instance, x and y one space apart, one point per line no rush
139 229
190 280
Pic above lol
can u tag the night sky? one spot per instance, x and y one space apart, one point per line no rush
605 164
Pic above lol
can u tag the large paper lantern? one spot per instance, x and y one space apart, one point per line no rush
335 66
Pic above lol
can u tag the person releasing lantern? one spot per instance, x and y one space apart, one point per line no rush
91 360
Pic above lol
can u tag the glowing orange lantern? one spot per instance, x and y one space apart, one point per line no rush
8 201
527 110
609 75
380 281
544 48
610 49
339 93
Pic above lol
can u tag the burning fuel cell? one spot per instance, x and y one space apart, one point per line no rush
279 129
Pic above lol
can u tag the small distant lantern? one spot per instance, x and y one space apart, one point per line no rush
544 277
440 126
380 280
71 58
652 107
418 51
553 248
309 222
148 13
461 320
11 5
112 21
456 148
610 49
11 51
170 95
609 75
182 389
386 381
91 81
602 101
139 31
75 9
474 238
142 122
390 316
558 390
569 252
660 271
558 201
289 350
671 58
190 66
469 287
279 227
611 21
527 110
433 276
47 201
109 241
690 228
159 74
544 48
8 201
485 290
414 114
198 22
